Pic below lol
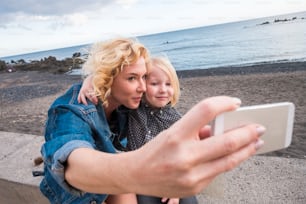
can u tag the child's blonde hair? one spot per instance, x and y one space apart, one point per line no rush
107 59
164 64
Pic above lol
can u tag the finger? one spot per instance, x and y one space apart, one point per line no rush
94 99
227 163
202 113
79 98
170 200
205 132
164 199
228 143
207 171
173 201
83 98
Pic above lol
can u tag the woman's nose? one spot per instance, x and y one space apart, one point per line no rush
142 86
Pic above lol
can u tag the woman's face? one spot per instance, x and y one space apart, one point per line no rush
129 85
159 88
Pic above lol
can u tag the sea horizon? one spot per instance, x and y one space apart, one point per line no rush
270 39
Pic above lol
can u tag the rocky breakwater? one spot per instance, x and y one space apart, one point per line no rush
47 64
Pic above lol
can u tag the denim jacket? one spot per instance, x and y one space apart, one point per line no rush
71 125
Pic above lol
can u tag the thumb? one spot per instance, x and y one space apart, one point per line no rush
202 113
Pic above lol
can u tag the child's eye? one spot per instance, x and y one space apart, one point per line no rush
168 84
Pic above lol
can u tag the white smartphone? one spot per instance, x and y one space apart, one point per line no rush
277 118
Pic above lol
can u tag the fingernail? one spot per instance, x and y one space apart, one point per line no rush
259 144
260 130
237 101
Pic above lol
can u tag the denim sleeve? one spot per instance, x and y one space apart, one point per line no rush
59 160
66 130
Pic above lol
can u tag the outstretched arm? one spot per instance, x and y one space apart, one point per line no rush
183 161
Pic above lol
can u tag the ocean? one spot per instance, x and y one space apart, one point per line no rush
263 40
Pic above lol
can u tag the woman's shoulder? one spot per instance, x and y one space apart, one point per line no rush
70 99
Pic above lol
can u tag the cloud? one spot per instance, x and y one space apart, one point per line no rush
48 7
126 4
11 10
54 14
76 19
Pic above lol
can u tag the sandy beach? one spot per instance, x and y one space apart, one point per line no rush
25 96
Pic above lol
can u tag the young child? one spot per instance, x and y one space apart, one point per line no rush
155 114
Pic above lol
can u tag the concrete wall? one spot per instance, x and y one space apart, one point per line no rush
17 185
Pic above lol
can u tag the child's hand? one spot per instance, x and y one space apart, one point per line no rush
87 92
171 200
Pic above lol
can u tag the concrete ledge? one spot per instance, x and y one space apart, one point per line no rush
12 192
17 185
261 179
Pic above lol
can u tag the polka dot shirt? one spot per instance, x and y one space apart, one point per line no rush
146 122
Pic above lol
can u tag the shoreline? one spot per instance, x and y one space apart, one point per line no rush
64 66
25 96
268 67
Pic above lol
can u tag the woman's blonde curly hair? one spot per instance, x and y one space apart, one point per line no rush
107 59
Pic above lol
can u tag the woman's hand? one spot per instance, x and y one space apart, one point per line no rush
87 91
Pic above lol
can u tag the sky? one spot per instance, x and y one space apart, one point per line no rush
35 25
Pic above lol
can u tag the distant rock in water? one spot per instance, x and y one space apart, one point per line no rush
76 54
281 20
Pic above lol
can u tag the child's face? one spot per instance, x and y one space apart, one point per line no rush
159 88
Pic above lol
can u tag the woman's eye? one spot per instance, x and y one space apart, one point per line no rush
131 78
